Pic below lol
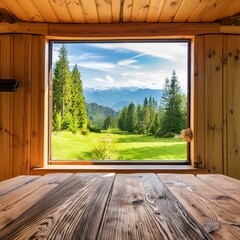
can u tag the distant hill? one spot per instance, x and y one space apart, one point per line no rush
117 98
97 113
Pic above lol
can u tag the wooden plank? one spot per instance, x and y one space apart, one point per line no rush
61 11
31 10
127 10
90 11
154 10
17 10
140 10
131 30
46 10
6 110
215 11
17 201
233 8
230 186
72 210
202 7
76 11
198 104
116 10
218 213
213 103
104 11
169 11
185 10
233 105
14 183
143 208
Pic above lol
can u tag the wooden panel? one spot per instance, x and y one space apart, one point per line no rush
127 10
61 11
201 9
233 105
76 11
198 103
143 208
140 10
116 10
6 110
213 103
154 10
22 198
169 11
185 10
233 8
14 183
90 11
104 11
230 186
31 10
218 8
218 213
46 10
17 10
81 200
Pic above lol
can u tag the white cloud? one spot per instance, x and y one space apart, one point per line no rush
107 79
100 66
129 63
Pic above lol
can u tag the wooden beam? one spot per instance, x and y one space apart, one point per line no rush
123 30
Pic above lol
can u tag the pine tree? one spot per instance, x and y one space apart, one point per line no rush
131 118
122 119
78 108
173 114
61 86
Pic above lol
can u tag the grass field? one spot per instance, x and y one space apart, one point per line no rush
118 146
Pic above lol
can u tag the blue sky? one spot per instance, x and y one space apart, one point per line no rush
115 65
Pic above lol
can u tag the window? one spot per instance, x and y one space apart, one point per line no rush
121 101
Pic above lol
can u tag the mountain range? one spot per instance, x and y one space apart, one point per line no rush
117 98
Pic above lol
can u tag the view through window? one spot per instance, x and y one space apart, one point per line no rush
122 101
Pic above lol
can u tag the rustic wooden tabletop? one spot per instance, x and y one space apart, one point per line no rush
120 206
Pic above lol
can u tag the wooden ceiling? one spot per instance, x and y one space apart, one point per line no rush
120 11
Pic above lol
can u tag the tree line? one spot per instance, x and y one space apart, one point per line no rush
149 118
70 113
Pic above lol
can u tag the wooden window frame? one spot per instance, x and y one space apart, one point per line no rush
189 160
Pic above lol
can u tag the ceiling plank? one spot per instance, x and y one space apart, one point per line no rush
185 9
170 9
31 10
61 11
90 11
154 10
140 10
46 10
104 11
116 8
17 10
127 10
76 11
218 8
201 10
231 10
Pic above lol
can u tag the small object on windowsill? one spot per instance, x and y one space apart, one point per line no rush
8 85
187 134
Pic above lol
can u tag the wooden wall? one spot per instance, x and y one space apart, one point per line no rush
216 104
21 112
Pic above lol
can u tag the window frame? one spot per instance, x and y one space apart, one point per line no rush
188 161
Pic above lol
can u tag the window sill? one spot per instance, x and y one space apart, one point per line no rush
183 169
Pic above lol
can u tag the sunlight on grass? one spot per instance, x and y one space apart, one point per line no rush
68 146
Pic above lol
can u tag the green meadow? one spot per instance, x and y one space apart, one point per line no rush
115 145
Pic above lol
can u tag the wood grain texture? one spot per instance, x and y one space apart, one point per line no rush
230 186
141 207
217 212
80 200
104 11
169 11
154 10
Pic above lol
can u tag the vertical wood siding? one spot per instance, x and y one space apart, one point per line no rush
21 112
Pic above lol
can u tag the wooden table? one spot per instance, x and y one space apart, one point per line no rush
120 206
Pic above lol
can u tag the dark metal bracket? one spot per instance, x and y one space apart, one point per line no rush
8 85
